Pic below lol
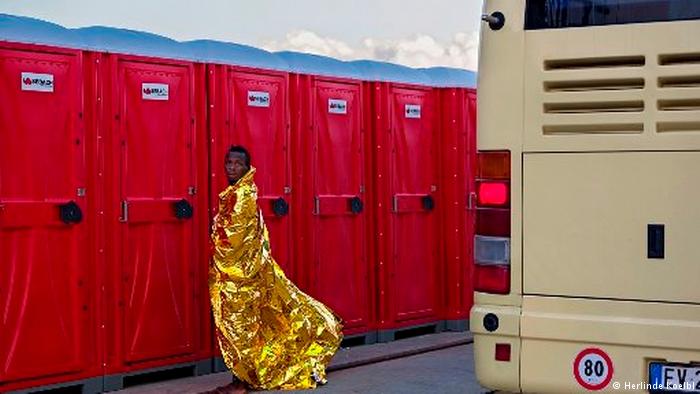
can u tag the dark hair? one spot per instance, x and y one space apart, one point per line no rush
240 149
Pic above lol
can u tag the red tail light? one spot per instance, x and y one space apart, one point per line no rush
493 222
493 165
492 278
495 194
492 235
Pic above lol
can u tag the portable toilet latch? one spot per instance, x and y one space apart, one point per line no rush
471 201
125 212
317 206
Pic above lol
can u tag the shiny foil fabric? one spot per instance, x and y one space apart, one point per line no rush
271 334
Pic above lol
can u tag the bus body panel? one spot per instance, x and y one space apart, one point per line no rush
498 375
547 366
586 221
554 330
602 124
626 323
612 88
500 119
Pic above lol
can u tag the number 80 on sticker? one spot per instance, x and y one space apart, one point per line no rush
593 369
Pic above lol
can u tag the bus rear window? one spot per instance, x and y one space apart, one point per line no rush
558 14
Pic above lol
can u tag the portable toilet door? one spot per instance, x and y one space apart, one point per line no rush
47 272
155 311
407 164
340 260
331 163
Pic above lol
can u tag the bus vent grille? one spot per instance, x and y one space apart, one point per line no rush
679 88
692 104
593 128
593 95
594 107
683 81
679 59
595 62
584 85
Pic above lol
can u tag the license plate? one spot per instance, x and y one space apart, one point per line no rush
679 378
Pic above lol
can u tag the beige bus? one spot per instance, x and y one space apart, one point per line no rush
587 245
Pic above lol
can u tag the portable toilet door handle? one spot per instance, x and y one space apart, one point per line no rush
280 207
182 209
428 202
356 205
70 213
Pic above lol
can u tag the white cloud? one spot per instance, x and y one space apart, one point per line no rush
306 41
417 51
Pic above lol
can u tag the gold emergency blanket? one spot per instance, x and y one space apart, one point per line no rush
271 335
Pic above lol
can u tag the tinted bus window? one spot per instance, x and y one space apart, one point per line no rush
557 14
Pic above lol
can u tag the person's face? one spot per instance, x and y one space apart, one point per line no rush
235 166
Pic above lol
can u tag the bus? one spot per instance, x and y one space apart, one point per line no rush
587 197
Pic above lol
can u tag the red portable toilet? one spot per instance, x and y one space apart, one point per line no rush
457 106
48 279
406 161
330 167
155 205
248 106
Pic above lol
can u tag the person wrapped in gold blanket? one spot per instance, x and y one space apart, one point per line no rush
271 334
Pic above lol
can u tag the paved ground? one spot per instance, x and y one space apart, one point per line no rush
449 370
443 371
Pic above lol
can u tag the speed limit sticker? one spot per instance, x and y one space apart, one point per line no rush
593 369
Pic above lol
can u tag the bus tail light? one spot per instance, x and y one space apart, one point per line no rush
492 233
493 194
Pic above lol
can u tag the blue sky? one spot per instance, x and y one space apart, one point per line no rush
411 32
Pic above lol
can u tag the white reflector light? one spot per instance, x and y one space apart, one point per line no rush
491 250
